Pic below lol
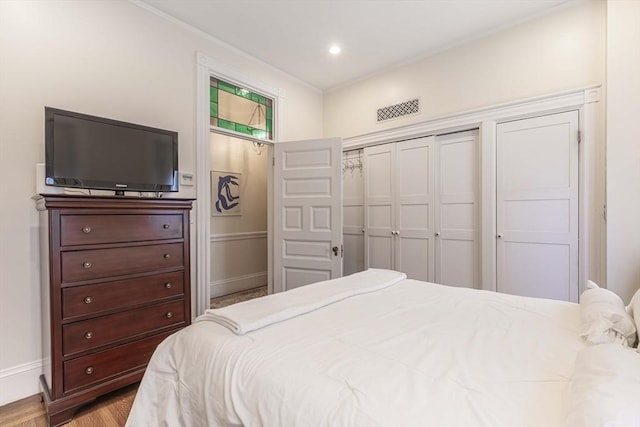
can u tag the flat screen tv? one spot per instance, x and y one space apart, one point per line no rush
98 153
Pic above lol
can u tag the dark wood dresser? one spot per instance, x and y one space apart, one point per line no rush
116 282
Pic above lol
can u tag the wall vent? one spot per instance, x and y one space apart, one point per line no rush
398 110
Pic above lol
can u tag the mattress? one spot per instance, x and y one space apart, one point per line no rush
413 353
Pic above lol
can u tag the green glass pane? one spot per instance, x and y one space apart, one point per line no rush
213 109
226 124
258 133
227 87
269 113
213 94
243 93
269 125
254 97
262 100
243 129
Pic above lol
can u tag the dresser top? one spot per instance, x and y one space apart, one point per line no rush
48 201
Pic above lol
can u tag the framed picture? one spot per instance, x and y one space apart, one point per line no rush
226 192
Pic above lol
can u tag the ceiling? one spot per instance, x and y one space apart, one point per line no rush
295 35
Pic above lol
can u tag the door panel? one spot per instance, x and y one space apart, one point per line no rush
457 198
379 214
307 212
414 208
537 207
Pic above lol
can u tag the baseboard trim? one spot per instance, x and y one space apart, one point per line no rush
20 381
238 236
237 284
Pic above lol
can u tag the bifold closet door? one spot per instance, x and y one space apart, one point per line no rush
537 207
457 260
414 186
399 207
379 211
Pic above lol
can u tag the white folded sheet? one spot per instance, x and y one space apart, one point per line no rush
257 313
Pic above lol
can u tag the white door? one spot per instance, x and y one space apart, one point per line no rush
414 185
307 212
379 212
537 207
457 178
398 215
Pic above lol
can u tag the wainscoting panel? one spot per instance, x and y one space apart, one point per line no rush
238 262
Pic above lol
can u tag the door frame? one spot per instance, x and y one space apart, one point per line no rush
207 67
592 227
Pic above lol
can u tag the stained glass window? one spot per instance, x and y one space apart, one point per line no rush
240 110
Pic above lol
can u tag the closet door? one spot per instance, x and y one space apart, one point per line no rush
414 187
537 207
379 213
457 175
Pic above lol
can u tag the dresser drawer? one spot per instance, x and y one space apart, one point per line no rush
94 229
98 263
92 333
90 299
102 365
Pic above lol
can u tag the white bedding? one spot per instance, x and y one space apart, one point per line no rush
411 354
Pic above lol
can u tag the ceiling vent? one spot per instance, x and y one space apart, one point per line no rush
406 108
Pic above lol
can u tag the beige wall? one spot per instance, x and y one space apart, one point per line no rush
623 147
111 59
559 51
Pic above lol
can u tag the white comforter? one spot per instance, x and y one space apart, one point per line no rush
411 354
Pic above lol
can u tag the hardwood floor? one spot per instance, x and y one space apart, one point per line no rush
110 410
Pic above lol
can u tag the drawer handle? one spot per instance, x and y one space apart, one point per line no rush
167 256
89 370
87 264
168 285
169 315
165 226
88 335
86 229
88 300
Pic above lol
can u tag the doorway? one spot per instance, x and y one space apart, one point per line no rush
238 223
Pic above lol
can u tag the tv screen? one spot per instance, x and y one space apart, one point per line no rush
94 152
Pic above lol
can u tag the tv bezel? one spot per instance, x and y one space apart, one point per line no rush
59 181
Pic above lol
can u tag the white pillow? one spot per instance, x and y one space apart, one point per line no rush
605 388
634 310
604 318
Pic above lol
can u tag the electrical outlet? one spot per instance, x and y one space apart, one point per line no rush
186 179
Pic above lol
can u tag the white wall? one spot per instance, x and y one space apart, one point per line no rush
239 243
623 147
559 51
106 58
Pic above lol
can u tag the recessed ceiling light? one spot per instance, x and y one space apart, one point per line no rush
334 49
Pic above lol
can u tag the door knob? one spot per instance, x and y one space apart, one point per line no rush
499 236
437 234
335 250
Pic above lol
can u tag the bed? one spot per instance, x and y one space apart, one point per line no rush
378 349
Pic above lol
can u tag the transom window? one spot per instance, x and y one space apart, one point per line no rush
240 110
